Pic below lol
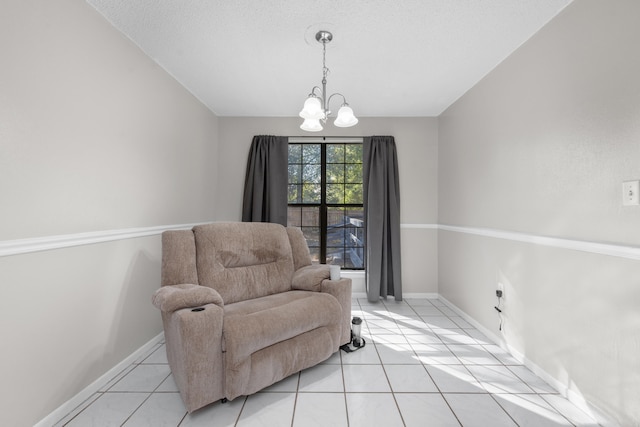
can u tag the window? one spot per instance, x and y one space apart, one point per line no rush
325 200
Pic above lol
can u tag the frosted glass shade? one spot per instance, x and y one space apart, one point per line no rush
345 117
312 109
311 125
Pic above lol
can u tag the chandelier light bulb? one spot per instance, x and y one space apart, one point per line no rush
312 109
345 117
311 125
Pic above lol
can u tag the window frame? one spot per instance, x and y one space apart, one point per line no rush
324 207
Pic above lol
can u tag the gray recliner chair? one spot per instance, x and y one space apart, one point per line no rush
243 307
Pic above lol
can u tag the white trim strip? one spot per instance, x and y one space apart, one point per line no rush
622 251
422 226
37 244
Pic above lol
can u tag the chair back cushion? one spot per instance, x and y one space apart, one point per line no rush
243 260
299 248
178 258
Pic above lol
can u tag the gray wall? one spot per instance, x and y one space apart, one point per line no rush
94 137
417 146
541 146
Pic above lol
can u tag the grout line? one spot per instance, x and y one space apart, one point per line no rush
93 398
295 400
344 384
503 409
241 409
182 420
451 409
136 410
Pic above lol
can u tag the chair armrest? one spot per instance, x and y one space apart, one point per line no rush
341 290
175 297
310 278
194 346
316 278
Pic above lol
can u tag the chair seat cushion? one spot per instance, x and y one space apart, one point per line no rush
255 324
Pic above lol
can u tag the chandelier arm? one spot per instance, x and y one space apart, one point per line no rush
344 100
313 92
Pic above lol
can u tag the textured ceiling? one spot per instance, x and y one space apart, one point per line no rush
388 57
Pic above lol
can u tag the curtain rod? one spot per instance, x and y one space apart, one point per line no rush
320 139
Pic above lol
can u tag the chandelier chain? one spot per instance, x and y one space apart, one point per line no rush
325 70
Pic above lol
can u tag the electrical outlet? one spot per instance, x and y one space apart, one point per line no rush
499 293
631 193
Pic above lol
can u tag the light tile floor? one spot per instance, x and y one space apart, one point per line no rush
422 366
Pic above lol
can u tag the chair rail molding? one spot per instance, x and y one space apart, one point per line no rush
38 244
422 226
610 249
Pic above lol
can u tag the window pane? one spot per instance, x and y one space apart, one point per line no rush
335 193
353 153
353 173
311 153
355 227
353 193
295 153
355 216
335 256
335 173
312 235
315 254
354 258
311 173
335 153
295 174
311 193
336 222
294 219
347 237
295 194
335 217
335 238
311 216
354 237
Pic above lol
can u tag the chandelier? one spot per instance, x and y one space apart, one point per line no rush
316 106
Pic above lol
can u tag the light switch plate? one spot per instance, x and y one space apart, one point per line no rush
631 193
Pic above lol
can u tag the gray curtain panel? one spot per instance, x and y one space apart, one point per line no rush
265 183
382 218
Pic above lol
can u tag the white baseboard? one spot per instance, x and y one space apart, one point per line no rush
427 295
71 404
571 395
488 333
